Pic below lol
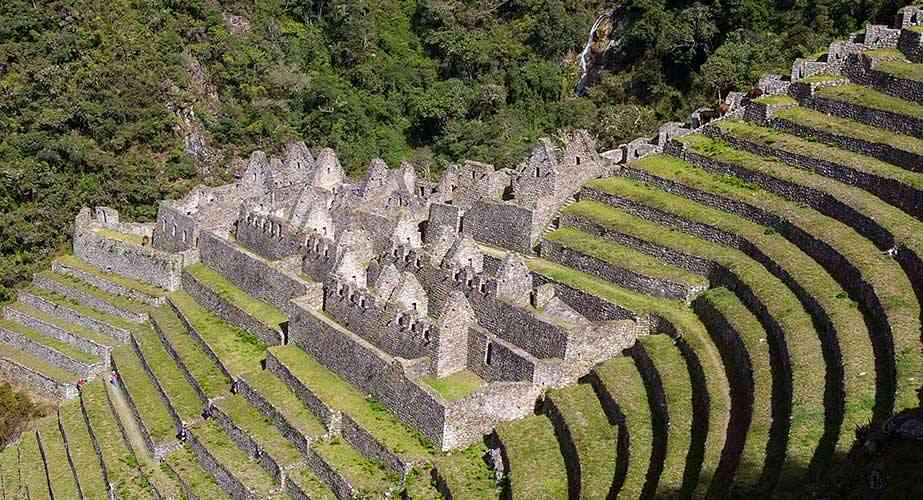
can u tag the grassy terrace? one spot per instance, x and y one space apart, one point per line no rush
49 342
755 340
901 69
591 434
822 78
776 100
187 468
9 471
32 469
624 257
308 483
284 400
138 286
896 293
419 484
848 128
455 386
241 466
112 234
369 478
864 96
784 142
621 381
805 350
466 474
263 312
73 328
154 413
207 375
60 475
677 388
536 465
260 428
691 330
182 396
368 413
852 335
37 364
240 352
86 462
88 311
121 464
118 301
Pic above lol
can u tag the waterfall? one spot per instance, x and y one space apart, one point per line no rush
580 89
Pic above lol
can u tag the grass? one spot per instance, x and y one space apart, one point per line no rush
309 483
261 429
112 234
536 466
73 328
144 395
49 342
182 396
901 69
455 386
9 471
117 301
239 351
624 257
620 379
32 469
418 484
60 476
848 128
88 312
864 96
822 78
370 414
241 466
37 364
187 468
210 379
781 141
263 312
591 434
284 401
121 464
776 100
677 388
138 286
466 474
86 462
369 478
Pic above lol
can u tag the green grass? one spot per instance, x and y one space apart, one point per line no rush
112 234
117 301
9 471
239 351
776 100
60 476
536 465
916 29
370 414
144 395
210 379
901 69
75 329
32 469
369 478
49 342
864 96
185 465
593 437
677 388
88 312
183 398
624 257
418 484
263 312
241 466
138 286
466 474
620 379
260 428
781 141
844 127
309 483
455 386
822 78
37 364
284 400
86 462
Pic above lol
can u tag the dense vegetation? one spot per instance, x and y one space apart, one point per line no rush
16 411
92 92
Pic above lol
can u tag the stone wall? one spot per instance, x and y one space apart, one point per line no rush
55 332
105 284
88 299
214 468
861 70
888 120
911 44
51 356
269 236
500 224
73 316
11 370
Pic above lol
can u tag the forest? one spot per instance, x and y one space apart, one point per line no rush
126 102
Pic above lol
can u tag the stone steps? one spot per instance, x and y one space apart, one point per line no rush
195 482
49 349
587 440
532 459
620 264
87 467
86 295
61 476
112 283
236 472
871 279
